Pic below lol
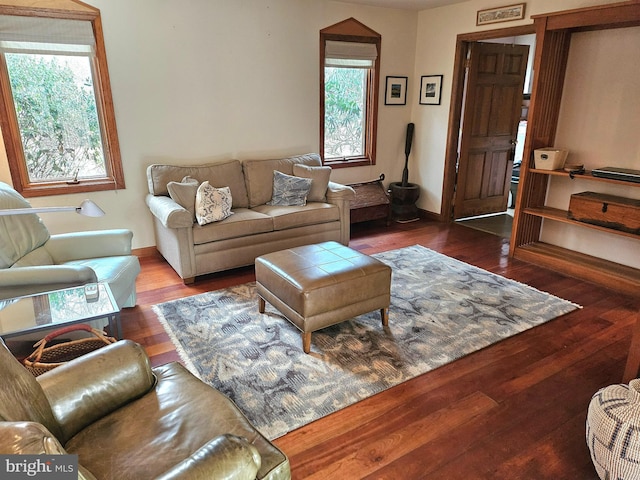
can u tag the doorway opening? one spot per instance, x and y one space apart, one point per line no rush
481 173
501 223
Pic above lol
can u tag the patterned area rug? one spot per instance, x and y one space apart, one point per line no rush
441 309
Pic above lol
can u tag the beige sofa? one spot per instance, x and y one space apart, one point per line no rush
254 228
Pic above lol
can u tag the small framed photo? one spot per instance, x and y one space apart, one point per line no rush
501 14
396 91
430 89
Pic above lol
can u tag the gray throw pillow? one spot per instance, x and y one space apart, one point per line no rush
184 193
320 180
289 190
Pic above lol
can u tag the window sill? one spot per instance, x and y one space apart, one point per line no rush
64 188
352 162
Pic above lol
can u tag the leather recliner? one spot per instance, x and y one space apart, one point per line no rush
33 261
126 420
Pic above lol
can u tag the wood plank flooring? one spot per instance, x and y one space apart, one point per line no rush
515 410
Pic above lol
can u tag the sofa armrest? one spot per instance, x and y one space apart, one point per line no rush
337 191
19 281
28 438
94 385
170 213
226 456
341 196
66 247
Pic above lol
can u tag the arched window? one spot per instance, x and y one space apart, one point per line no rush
349 85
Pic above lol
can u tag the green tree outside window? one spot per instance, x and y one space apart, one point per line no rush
344 111
56 109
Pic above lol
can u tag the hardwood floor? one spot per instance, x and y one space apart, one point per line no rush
515 410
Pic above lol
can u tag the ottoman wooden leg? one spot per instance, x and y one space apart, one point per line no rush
261 304
306 342
384 313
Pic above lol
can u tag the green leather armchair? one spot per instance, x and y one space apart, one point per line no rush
33 261
126 420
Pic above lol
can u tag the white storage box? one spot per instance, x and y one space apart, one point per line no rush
550 158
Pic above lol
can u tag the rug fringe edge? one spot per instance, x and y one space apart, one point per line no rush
174 339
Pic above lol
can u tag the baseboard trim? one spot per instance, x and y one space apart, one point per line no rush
145 251
427 215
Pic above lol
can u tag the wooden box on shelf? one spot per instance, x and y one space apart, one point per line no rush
610 211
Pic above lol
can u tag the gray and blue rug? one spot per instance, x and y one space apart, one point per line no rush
441 309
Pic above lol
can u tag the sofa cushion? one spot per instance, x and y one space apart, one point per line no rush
258 175
320 180
37 257
291 217
19 234
242 223
289 190
220 174
212 204
184 193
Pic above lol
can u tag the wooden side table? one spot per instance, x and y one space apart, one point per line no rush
371 203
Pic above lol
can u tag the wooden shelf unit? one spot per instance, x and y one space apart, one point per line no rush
553 39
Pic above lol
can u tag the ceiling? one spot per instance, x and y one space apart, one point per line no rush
406 4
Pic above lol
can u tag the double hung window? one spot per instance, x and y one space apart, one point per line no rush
56 109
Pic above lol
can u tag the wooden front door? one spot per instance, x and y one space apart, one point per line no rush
491 113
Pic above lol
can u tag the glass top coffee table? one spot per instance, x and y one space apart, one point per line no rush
54 309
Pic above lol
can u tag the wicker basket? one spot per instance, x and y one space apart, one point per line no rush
46 358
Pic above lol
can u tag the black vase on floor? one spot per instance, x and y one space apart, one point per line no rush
403 201
404 195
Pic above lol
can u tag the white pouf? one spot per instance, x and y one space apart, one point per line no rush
613 431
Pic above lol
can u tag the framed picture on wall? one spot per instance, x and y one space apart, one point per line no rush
396 91
500 14
430 89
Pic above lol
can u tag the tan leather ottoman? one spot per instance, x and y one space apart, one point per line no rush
315 286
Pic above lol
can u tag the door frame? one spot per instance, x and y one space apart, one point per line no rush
455 109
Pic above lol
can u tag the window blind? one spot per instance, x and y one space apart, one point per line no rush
350 54
45 35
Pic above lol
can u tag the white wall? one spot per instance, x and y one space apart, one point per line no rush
198 80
